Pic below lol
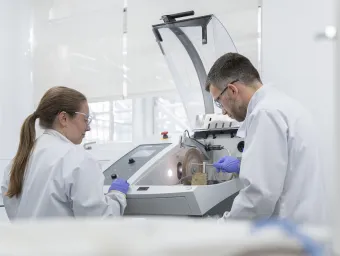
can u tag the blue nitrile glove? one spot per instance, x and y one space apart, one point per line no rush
119 185
228 164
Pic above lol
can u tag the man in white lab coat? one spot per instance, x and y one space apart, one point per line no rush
279 169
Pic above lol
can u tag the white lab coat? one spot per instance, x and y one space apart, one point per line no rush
280 163
61 180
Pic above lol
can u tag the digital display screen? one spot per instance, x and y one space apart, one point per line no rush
142 188
143 153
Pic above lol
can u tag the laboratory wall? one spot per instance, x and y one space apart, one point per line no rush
16 97
78 44
107 49
299 61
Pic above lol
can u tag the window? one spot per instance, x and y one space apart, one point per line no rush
100 126
122 115
169 115
112 121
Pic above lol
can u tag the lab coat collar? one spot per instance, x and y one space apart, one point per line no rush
56 134
241 132
256 98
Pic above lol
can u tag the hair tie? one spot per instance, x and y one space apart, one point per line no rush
35 115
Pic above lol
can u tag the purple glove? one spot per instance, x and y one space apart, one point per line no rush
120 185
228 164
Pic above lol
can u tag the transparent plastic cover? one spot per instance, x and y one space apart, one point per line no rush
189 80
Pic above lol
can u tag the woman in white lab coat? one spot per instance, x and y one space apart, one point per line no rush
53 177
279 169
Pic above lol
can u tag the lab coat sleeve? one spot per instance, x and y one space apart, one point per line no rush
4 183
263 167
10 205
85 190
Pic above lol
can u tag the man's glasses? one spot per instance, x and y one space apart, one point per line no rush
217 100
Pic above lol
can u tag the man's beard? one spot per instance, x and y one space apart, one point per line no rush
239 113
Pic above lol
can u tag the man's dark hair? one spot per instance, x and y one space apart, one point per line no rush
231 67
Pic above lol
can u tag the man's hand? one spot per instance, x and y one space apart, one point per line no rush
228 164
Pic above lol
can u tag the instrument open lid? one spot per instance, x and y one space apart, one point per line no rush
190 47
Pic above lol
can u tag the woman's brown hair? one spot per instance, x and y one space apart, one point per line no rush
54 101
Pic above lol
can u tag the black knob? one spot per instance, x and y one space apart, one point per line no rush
131 161
114 176
240 146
